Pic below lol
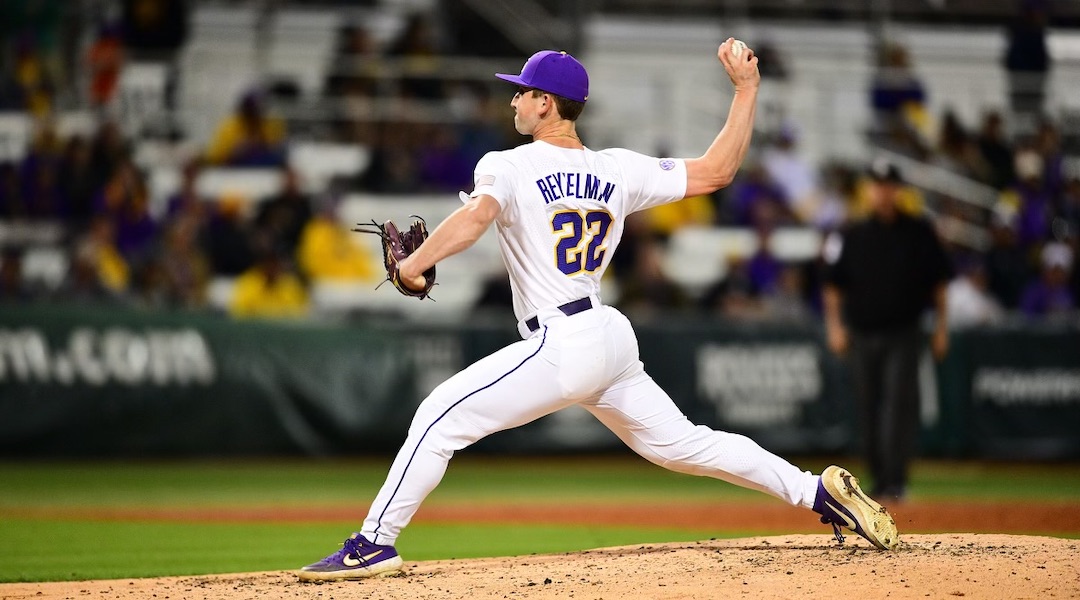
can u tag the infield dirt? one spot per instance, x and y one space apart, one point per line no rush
791 566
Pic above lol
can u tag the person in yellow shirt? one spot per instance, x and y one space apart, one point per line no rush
98 251
693 210
329 251
248 137
269 290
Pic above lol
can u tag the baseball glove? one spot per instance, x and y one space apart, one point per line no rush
396 246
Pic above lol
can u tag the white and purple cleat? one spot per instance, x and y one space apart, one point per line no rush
357 559
842 503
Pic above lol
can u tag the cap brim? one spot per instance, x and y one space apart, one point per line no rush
516 79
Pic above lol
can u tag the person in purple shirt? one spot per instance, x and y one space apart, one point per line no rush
1049 295
763 267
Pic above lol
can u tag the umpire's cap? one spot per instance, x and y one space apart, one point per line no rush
553 72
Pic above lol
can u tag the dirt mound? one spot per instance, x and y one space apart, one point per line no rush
792 566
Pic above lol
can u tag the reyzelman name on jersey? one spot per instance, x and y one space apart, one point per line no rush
581 186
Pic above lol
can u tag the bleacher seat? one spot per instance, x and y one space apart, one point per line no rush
795 244
217 65
31 233
15 132
318 163
45 265
697 257
250 184
141 95
300 47
76 122
219 292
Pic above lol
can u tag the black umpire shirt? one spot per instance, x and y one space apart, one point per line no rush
887 272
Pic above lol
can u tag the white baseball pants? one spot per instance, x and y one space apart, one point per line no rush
589 359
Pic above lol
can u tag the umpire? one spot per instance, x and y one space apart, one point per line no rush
881 273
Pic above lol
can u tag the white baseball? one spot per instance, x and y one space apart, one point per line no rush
737 47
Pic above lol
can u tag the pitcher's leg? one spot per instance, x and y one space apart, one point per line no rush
509 388
646 419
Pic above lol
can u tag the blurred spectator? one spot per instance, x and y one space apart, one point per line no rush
99 271
39 175
416 47
763 268
356 62
1068 223
734 296
1027 201
643 287
108 150
186 202
11 198
14 288
32 83
136 230
285 215
78 182
151 27
881 274
839 183
969 301
484 129
228 240
774 91
691 211
996 151
898 99
1048 145
785 301
185 270
753 195
1049 295
1006 263
394 168
1027 59
149 288
957 151
797 178
248 137
269 290
113 196
105 61
353 78
328 251
443 164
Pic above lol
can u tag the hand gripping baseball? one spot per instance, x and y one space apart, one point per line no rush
397 246
740 62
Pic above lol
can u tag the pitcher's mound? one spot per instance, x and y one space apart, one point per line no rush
791 566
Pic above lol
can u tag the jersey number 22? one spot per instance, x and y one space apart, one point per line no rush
582 240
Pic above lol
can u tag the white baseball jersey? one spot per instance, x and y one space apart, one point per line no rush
561 219
563 211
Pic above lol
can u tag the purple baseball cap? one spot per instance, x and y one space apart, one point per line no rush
553 72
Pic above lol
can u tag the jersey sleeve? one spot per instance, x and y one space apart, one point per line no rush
835 255
651 181
492 177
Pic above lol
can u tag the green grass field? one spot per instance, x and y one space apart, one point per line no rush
47 533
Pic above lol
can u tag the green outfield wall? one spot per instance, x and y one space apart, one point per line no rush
77 382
